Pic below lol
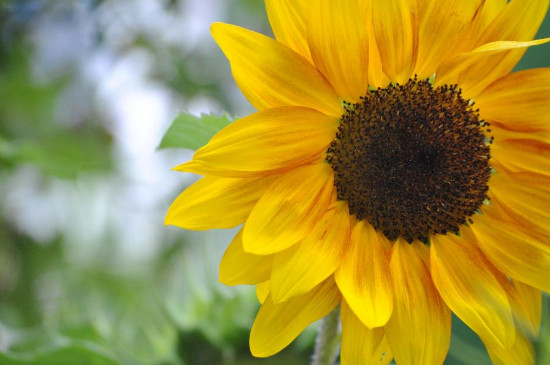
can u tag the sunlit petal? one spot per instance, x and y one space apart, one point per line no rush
361 345
239 267
419 330
277 325
214 202
395 24
340 48
289 209
364 276
472 288
288 22
271 74
281 138
309 262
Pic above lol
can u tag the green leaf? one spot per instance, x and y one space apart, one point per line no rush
190 131
73 352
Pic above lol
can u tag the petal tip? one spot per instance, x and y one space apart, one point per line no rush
193 166
215 27
257 349
222 279
170 219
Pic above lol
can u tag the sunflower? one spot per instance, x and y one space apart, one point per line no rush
396 171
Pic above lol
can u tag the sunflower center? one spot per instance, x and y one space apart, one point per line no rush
413 160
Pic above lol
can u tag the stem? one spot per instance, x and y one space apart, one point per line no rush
328 339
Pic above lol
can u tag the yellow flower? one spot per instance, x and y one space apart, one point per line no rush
395 166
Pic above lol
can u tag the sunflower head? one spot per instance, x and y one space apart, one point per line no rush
395 170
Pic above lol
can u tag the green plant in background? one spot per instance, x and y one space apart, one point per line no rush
69 294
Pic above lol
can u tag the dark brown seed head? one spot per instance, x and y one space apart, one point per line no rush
412 160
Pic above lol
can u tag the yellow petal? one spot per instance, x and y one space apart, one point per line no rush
339 45
277 325
364 276
521 353
441 25
449 71
532 229
419 329
287 19
488 11
376 76
527 307
263 290
289 209
521 155
238 267
309 262
199 169
271 74
512 250
268 142
518 21
505 134
361 345
214 202
518 102
524 194
395 25
493 8
472 288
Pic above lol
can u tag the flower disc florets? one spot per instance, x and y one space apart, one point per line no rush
413 160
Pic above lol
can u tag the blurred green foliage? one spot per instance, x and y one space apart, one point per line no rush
68 353
58 310
29 133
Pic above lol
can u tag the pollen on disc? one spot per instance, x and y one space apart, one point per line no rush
412 160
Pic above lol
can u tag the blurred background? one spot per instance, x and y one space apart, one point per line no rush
88 272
